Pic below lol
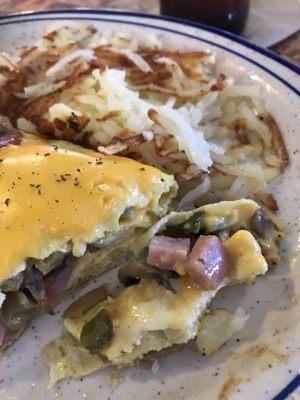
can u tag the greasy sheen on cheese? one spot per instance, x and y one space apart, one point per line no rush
57 196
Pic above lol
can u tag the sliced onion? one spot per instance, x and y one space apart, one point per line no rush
81 306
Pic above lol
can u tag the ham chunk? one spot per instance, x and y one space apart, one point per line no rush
167 252
207 263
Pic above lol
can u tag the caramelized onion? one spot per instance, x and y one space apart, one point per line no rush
86 302
8 134
17 311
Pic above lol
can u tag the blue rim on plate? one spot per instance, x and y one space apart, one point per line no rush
32 16
289 389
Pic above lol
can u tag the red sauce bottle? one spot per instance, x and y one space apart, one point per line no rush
230 15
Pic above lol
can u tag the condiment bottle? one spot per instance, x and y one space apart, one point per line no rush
230 15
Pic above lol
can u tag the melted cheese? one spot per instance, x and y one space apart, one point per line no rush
222 215
245 258
2 298
226 214
55 195
148 307
151 308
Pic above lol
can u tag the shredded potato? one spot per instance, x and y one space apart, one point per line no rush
159 106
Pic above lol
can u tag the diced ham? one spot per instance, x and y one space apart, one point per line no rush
2 332
167 252
207 263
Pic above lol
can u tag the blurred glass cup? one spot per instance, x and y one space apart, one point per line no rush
230 15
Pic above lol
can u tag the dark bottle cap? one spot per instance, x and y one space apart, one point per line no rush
230 15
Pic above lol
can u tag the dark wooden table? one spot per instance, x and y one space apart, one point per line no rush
289 47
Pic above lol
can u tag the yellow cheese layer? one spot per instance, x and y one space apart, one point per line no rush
55 194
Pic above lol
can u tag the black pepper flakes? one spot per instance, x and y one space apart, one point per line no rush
63 177
6 202
142 169
76 182
46 154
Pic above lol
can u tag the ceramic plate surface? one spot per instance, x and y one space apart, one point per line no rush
261 362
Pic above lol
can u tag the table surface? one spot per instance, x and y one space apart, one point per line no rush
289 47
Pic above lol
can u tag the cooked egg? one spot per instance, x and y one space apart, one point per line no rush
148 307
52 199
245 258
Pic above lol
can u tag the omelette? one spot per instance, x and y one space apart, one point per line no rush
67 214
190 256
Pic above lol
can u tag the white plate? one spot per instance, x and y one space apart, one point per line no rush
265 357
